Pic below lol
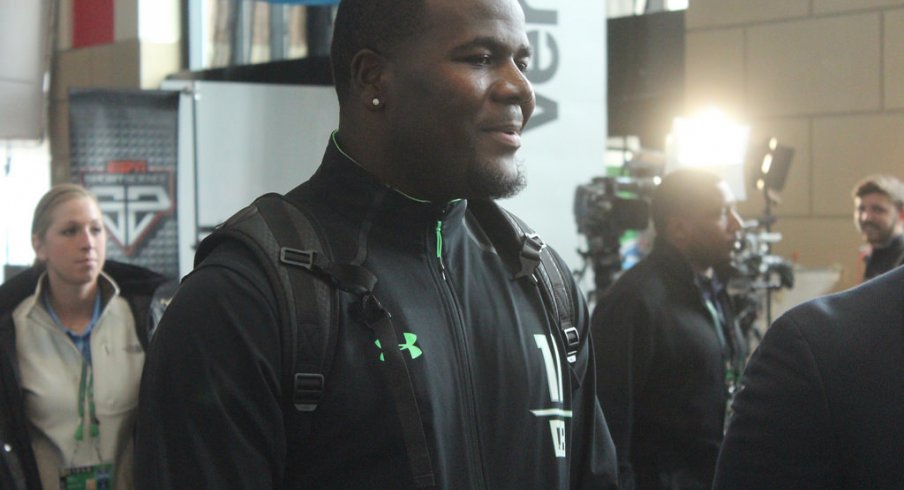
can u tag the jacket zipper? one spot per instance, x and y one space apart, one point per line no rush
472 434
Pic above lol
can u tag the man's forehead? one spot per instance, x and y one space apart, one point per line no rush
440 12
875 199
488 8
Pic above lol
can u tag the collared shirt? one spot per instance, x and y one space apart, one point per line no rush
83 340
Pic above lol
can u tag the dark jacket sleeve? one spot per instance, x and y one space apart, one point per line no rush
780 436
594 462
209 408
623 346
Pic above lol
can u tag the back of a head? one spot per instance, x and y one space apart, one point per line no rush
681 192
881 184
378 25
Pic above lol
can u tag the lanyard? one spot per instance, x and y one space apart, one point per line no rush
717 320
86 393
86 380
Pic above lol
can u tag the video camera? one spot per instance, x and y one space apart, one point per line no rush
610 205
604 210
755 273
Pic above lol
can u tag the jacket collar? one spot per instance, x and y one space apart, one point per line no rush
350 189
669 259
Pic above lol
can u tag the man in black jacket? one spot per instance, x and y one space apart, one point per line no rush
822 402
433 99
667 346
879 215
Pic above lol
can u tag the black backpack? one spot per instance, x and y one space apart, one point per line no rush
293 253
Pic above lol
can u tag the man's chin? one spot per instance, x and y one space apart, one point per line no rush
497 183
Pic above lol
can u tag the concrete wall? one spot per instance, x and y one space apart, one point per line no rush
144 50
824 76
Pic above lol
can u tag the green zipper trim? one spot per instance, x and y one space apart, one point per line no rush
439 239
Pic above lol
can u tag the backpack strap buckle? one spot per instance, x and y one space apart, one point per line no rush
531 245
572 340
308 390
296 257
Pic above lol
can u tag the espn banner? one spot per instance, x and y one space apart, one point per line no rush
124 148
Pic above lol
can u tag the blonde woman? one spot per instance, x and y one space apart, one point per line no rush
73 331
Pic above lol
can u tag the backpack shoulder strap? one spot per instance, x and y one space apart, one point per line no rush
532 259
287 245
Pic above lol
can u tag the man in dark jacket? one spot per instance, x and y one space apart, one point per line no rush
821 402
879 215
667 345
433 100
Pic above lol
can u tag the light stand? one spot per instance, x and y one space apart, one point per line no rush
770 178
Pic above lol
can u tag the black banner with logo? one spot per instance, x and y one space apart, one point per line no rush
124 148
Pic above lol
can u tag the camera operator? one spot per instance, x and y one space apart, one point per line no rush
668 348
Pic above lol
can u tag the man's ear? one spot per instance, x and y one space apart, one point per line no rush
368 78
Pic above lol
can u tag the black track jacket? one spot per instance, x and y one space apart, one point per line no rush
487 373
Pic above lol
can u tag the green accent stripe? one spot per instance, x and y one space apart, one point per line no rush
439 239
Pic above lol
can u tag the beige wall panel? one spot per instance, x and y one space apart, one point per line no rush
797 192
64 25
59 170
894 59
158 61
71 69
117 65
847 148
58 127
709 13
822 243
826 6
714 70
814 66
125 20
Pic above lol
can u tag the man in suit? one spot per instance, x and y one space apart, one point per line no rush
879 215
822 400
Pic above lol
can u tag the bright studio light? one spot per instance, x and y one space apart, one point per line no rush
712 141
709 139
676 4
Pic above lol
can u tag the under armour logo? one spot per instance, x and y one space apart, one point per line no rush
413 350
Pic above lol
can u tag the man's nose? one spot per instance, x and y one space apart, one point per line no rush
514 88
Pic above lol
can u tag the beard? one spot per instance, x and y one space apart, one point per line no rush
492 182
875 234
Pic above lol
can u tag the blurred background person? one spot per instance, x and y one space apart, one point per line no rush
668 348
879 215
73 330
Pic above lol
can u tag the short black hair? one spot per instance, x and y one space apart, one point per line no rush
680 193
370 24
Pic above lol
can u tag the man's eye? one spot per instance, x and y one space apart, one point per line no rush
482 59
